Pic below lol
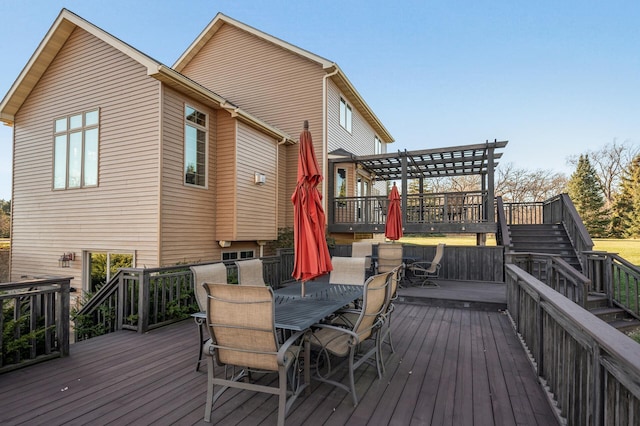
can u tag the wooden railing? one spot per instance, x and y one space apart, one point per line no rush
34 321
142 299
555 272
523 213
560 209
618 278
503 238
592 370
462 263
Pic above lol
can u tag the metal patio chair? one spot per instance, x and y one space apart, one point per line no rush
428 271
243 336
336 340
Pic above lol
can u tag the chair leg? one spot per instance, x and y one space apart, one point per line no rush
200 323
352 381
282 396
209 405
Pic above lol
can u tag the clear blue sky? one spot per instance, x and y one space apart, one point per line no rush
555 78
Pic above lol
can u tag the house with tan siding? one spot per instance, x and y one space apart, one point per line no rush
119 158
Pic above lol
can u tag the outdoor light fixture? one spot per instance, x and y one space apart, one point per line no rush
260 179
64 260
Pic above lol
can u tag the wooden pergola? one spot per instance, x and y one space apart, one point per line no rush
423 212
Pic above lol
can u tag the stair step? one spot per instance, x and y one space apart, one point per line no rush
608 314
625 325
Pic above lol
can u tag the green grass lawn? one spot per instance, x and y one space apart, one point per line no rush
629 249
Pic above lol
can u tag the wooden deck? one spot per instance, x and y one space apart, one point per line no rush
452 366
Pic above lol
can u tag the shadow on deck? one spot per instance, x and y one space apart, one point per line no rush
451 366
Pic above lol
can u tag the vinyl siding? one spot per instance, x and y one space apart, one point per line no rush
256 204
226 190
121 213
187 213
273 84
361 139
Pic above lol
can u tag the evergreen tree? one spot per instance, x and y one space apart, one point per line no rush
626 207
586 193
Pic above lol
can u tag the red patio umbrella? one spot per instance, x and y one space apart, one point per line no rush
393 227
311 258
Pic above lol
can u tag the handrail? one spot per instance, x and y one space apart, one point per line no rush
141 299
503 237
591 369
34 321
561 209
555 272
615 276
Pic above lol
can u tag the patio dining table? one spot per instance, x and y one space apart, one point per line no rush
295 312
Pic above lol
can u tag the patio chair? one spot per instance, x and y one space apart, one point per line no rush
384 336
428 271
334 340
212 273
347 270
250 272
243 335
363 249
389 257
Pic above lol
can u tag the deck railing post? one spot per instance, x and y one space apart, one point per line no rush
62 313
143 301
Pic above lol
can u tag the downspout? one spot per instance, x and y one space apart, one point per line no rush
325 136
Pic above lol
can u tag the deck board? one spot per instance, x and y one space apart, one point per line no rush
451 366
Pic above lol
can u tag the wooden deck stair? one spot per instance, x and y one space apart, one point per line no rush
553 239
598 304
544 238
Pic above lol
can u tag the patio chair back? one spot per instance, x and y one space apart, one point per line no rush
241 321
250 272
347 270
389 257
211 273
373 300
437 259
362 249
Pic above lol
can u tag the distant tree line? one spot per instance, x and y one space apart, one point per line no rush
5 218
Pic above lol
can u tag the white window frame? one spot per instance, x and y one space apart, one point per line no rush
79 133
196 179
346 115
377 145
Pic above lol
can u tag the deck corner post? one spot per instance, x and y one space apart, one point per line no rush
63 312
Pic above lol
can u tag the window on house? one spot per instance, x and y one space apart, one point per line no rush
102 266
75 152
195 147
345 115
377 145
235 255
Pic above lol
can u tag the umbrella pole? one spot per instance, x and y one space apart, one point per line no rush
303 292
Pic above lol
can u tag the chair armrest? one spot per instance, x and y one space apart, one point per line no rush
284 348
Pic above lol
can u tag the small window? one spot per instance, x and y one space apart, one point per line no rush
345 115
377 145
195 147
75 151
235 255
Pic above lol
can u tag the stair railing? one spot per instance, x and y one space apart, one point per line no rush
560 209
503 237
591 370
615 276
555 272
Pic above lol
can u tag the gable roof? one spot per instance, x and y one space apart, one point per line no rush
331 68
56 37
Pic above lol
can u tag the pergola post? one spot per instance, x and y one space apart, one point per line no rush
404 185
